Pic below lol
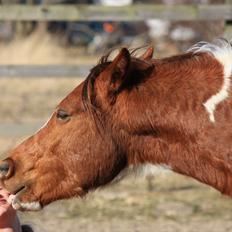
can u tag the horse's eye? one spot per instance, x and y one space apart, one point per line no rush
63 115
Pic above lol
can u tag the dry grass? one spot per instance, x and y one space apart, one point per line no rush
176 204
32 99
40 48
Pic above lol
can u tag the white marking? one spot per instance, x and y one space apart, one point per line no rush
32 206
151 169
142 170
17 204
221 49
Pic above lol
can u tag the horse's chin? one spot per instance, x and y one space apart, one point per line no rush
26 206
18 204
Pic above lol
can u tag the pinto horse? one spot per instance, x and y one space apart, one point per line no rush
131 112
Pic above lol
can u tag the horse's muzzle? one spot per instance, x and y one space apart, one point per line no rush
6 169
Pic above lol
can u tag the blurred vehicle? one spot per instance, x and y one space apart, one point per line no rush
94 35
98 36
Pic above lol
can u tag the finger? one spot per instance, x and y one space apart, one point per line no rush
5 194
2 197
4 205
2 201
10 199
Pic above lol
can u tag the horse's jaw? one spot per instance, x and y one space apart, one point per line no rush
17 204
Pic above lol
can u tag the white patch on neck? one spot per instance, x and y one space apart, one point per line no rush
142 170
221 49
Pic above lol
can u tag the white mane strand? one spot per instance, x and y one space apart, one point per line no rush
222 51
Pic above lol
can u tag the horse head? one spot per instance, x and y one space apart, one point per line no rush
83 145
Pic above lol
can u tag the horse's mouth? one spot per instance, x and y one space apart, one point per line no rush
17 204
20 190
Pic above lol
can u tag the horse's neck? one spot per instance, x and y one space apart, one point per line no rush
188 159
175 125
203 165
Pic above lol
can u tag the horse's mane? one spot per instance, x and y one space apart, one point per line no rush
88 93
217 47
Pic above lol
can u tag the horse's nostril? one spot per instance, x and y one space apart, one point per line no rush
6 168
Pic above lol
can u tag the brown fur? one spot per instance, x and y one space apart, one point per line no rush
130 111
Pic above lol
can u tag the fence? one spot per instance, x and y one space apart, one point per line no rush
93 13
124 13
11 12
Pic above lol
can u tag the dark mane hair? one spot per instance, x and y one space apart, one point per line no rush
88 93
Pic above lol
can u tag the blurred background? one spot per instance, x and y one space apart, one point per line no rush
42 61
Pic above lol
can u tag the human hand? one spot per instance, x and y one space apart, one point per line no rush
8 217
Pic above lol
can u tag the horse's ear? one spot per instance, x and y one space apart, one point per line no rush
148 54
119 69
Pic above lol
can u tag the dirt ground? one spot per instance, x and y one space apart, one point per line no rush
175 204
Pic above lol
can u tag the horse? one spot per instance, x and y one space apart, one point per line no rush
131 112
